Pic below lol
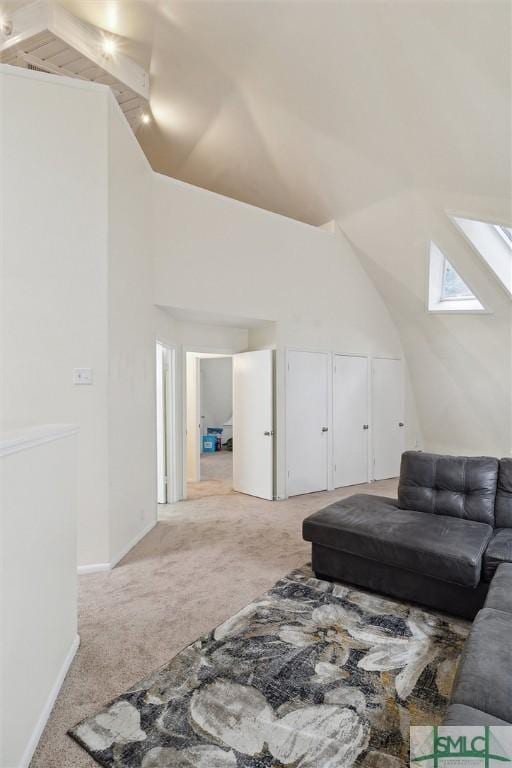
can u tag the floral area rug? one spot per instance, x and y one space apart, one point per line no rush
311 675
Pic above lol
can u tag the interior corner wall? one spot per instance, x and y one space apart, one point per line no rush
131 342
54 220
263 337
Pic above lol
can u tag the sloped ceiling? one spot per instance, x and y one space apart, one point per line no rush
315 109
379 114
460 365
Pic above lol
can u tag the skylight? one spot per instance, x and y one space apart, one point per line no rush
447 290
493 242
505 233
453 288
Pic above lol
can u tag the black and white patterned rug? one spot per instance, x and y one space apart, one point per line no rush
311 675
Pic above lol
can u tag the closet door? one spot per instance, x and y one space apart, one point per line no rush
307 421
350 420
388 417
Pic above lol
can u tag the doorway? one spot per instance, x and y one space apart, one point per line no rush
229 417
209 382
165 423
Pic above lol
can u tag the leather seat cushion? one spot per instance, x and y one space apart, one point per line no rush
484 676
459 714
500 591
499 551
374 527
458 486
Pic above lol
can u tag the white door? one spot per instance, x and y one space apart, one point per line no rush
253 423
350 420
193 400
165 424
307 421
161 438
388 418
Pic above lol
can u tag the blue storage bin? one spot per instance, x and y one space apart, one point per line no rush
209 443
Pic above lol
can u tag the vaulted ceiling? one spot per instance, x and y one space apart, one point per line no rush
385 115
319 109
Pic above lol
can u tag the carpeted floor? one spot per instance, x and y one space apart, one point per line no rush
204 562
216 476
310 674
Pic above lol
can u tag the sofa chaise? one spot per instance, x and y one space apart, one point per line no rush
439 543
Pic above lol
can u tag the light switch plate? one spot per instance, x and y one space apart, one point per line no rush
82 376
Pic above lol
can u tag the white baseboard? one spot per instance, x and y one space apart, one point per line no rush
45 714
132 543
98 567
93 568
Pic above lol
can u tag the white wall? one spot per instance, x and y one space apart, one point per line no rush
460 365
270 267
216 391
131 342
308 280
53 247
193 418
77 292
263 336
38 615
92 240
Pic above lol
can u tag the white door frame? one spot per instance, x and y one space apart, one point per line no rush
197 350
368 359
330 472
170 427
192 423
371 404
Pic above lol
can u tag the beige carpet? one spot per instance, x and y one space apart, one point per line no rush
216 476
203 563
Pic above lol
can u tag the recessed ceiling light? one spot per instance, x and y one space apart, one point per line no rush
5 26
109 46
145 118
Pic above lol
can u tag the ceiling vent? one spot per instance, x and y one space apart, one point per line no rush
45 37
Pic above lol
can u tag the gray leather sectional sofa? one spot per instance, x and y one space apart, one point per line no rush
446 542
439 543
482 693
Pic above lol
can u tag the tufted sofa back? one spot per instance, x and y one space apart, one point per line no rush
503 511
457 486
